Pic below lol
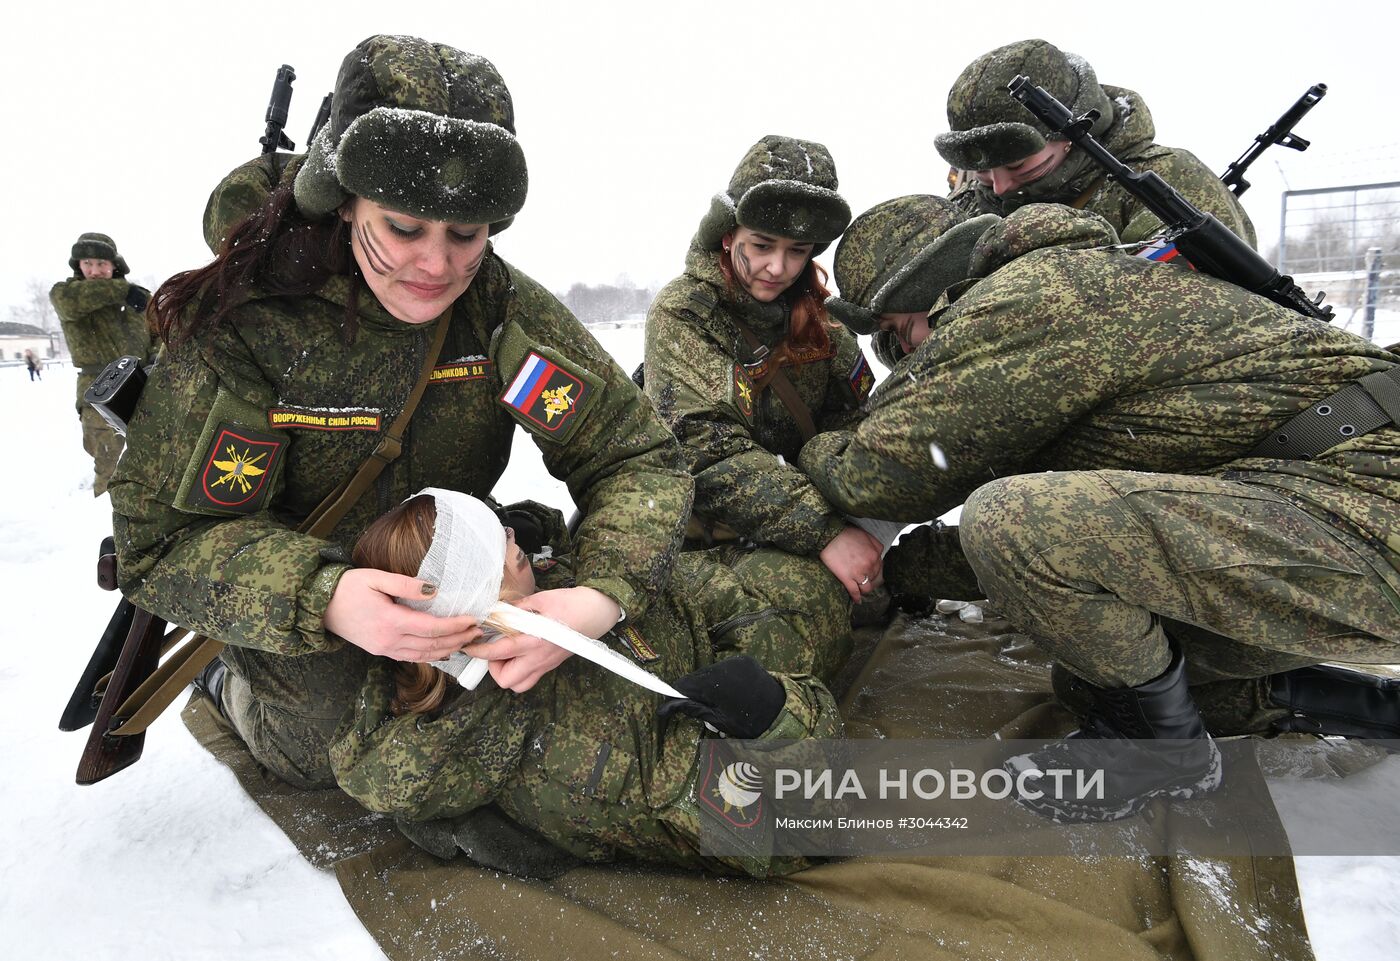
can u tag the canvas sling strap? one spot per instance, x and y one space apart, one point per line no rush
156 693
1358 408
781 385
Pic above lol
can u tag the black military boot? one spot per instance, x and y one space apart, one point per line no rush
1337 701
210 683
1138 743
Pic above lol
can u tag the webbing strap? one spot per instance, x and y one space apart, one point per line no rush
786 392
156 693
1358 408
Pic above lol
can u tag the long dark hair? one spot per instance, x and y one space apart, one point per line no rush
274 249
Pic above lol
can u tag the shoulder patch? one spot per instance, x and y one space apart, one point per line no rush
237 462
636 644
861 378
741 392
549 395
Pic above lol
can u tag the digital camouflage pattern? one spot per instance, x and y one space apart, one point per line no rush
580 757
1057 356
1094 561
100 324
987 127
243 190
422 128
286 369
745 464
1129 138
783 186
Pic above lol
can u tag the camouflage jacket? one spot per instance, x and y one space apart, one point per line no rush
1130 140
242 432
701 374
580 757
1057 355
99 323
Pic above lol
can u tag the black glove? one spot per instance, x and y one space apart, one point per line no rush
536 526
137 297
736 696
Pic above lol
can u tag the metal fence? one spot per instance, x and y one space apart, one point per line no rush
1345 241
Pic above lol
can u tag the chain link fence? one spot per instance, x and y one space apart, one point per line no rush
1345 241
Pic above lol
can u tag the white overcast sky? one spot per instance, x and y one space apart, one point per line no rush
120 117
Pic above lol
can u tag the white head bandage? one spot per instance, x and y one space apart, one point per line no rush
465 560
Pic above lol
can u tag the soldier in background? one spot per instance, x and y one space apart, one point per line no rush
1007 158
103 318
1134 502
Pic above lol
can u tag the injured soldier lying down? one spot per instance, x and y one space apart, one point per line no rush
595 762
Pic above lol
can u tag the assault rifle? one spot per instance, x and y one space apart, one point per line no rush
1280 132
274 138
324 114
1204 240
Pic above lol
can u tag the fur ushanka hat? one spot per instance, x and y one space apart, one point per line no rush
898 256
989 128
419 127
785 187
98 247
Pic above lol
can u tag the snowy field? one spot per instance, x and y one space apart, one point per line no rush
169 859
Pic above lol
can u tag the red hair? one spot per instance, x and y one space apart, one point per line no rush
808 294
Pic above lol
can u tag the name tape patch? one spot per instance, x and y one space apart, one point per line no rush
307 419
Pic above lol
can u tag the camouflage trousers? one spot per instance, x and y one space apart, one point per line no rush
801 623
101 442
1101 567
287 709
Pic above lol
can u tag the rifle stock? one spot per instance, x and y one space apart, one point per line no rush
105 753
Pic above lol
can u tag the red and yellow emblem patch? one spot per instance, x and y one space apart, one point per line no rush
743 392
237 467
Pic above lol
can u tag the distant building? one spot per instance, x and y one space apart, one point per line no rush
16 338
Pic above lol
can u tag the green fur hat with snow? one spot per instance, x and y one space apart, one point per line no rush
988 128
785 187
898 256
421 128
98 247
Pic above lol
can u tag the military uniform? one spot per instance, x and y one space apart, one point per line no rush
1143 391
580 757
241 433
980 111
710 357
742 443
103 319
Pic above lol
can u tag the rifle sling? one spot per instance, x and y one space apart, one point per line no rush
786 392
1358 408
156 693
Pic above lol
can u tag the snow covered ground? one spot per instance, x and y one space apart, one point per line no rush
169 859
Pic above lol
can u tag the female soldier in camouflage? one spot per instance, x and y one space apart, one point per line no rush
1010 159
1191 482
583 757
300 344
726 338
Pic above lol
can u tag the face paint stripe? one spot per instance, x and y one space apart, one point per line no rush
377 262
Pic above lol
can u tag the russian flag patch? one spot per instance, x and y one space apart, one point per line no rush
545 394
